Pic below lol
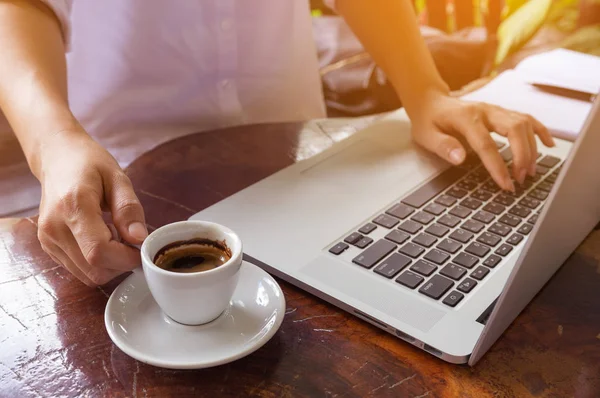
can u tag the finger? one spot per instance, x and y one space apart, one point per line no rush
534 150
126 209
479 139
88 241
519 144
92 244
443 145
541 131
61 258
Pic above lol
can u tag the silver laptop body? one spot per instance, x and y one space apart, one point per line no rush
300 224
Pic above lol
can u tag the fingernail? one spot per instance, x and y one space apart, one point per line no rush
138 231
532 170
521 177
457 155
510 185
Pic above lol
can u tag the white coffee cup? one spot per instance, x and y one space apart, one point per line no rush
198 297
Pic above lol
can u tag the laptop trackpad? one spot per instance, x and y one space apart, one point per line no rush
359 287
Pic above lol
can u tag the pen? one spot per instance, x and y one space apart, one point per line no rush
565 92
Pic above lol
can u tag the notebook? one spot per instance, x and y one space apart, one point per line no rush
563 115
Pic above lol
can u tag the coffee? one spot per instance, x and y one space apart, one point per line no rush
194 255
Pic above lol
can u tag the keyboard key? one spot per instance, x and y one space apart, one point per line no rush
423 268
504 249
466 260
449 220
386 221
410 279
467 285
412 250
392 265
519 191
425 240
453 298
435 209
473 226
363 242
551 179
449 246
499 229
510 219
484 217
436 287
480 273
533 219
515 239
460 211
367 229
374 254
339 248
453 271
538 194
410 226
471 203
541 170
446 200
467 185
545 186
477 249
461 235
530 202
457 192
549 161
437 230
437 256
353 238
525 229
489 239
423 218
398 237
482 195
490 186
535 178
504 199
400 210
428 191
492 261
480 175
520 211
494 208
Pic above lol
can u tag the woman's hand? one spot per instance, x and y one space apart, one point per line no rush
80 180
443 119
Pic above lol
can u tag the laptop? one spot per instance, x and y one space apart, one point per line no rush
434 254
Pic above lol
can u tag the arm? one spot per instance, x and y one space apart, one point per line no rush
388 29
79 178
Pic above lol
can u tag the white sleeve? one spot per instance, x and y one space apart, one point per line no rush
62 10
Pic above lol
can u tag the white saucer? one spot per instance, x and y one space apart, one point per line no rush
137 325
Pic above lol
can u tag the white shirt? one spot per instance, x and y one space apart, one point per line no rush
142 72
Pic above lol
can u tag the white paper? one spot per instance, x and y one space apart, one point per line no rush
564 117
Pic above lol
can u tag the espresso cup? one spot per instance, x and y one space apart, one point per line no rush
192 298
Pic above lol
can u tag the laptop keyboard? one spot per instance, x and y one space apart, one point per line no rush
449 234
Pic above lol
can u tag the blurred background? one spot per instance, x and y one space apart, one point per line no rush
470 40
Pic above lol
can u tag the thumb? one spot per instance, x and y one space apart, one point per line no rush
126 209
444 145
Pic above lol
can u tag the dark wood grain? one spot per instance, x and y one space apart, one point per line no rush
53 341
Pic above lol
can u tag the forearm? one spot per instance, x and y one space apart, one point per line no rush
389 31
33 87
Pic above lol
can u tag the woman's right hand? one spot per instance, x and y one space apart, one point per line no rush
80 180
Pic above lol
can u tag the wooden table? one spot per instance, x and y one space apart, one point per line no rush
53 341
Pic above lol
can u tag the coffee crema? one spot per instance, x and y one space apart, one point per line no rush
193 255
